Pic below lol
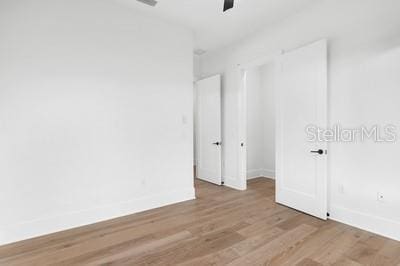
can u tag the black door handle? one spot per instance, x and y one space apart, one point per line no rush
318 151
217 143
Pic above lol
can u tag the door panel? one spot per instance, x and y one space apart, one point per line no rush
208 137
302 101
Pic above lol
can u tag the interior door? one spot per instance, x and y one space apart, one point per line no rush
208 137
301 181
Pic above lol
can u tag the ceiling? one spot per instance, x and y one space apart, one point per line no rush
214 29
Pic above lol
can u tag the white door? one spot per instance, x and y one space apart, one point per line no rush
301 181
208 137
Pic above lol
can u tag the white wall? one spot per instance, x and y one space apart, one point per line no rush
254 123
267 73
196 77
260 142
196 67
95 114
364 81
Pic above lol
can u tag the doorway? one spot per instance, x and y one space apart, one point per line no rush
260 132
299 85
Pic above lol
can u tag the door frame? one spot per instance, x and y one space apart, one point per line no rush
242 151
243 68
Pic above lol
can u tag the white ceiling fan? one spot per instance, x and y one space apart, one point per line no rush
228 4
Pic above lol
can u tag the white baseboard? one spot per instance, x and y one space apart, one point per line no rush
381 226
255 173
235 183
71 220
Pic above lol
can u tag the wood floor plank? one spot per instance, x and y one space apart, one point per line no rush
267 252
308 262
221 227
316 241
339 246
190 249
237 250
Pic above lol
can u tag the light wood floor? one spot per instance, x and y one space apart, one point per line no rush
221 227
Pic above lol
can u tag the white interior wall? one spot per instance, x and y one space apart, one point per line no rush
196 67
260 142
95 114
364 59
267 73
254 123
196 77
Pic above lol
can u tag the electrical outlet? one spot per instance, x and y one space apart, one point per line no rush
380 197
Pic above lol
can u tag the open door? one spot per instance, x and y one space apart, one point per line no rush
208 130
301 180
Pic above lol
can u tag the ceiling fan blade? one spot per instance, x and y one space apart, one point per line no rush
228 4
148 2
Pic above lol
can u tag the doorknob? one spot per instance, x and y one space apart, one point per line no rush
217 143
320 152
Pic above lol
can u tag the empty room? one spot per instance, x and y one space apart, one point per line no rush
199 132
